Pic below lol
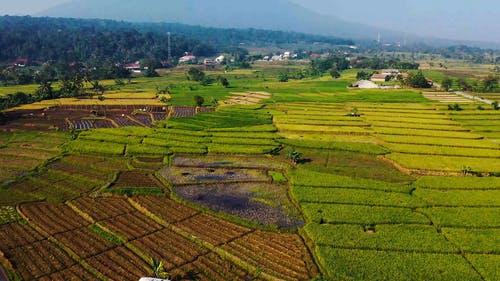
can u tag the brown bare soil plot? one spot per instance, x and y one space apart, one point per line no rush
120 264
136 179
211 267
75 272
39 259
143 119
132 225
84 242
14 235
165 208
283 255
52 218
81 169
104 208
170 247
212 229
183 111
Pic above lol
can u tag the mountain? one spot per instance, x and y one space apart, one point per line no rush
262 14
281 15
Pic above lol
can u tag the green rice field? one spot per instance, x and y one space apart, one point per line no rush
388 184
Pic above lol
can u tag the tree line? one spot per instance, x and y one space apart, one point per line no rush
72 78
381 63
50 39
489 84
88 41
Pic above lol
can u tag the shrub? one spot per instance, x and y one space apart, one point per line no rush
199 100
294 156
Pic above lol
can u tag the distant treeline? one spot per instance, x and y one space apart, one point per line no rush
55 39
50 39
380 63
466 53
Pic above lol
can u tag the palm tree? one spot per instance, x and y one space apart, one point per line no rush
158 268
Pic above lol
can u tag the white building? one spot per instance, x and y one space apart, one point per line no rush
187 59
219 59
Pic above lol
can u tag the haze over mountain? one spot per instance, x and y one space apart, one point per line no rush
263 14
415 21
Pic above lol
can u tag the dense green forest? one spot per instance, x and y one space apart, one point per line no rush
53 39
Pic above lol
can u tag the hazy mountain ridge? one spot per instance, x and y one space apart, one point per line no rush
261 14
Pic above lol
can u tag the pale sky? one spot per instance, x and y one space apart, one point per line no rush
451 19
26 7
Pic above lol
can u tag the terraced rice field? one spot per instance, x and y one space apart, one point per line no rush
428 233
367 228
403 190
21 152
432 138
445 97
248 98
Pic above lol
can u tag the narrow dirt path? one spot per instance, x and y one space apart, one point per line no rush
474 98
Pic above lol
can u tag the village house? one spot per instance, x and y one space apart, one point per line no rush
188 59
219 59
134 67
20 62
380 78
277 57
392 72
209 62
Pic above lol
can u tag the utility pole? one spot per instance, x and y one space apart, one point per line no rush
169 47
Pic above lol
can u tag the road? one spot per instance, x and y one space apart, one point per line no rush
471 97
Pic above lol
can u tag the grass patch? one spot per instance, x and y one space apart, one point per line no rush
483 241
141 149
94 147
303 177
444 163
367 148
354 196
8 214
380 237
131 191
238 149
356 214
459 198
463 217
440 182
106 235
443 150
487 265
277 176
343 264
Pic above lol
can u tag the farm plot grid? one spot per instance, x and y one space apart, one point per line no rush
112 238
85 117
63 179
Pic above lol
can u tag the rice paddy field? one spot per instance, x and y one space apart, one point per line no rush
390 185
